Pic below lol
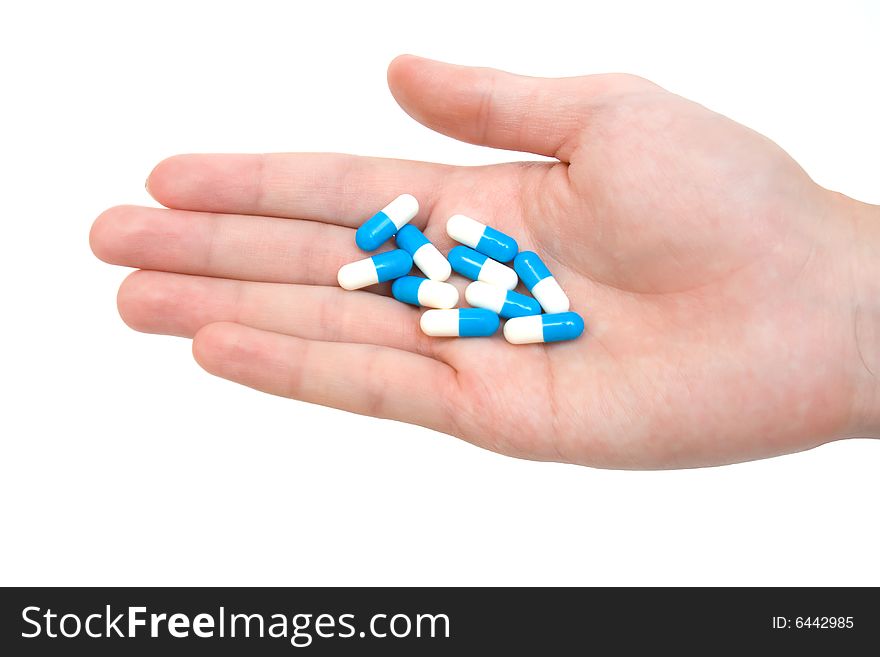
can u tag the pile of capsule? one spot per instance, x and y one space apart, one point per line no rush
492 292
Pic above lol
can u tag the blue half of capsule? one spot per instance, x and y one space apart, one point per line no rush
466 261
497 245
392 264
375 231
476 322
519 305
530 268
406 289
411 239
562 326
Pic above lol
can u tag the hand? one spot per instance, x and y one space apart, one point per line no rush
725 294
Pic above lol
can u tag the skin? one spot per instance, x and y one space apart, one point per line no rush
731 303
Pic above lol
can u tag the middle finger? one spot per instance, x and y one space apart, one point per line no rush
241 247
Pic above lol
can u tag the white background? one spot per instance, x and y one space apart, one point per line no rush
124 463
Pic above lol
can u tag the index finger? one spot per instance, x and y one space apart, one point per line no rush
327 187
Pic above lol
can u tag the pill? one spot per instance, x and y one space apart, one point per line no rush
382 226
378 269
506 303
425 255
479 267
481 237
459 322
424 292
554 327
540 282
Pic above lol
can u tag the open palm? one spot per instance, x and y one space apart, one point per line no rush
697 251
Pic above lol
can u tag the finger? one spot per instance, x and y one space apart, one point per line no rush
176 304
222 245
328 187
493 108
365 379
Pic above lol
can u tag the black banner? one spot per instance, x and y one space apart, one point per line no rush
395 621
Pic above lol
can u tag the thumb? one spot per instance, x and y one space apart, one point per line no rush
493 108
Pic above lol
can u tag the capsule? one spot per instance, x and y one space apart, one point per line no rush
555 327
424 292
479 267
506 303
425 255
459 322
540 282
481 237
381 227
378 269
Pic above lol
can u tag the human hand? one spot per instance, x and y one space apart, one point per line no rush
731 304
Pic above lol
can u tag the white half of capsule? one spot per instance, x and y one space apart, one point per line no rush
494 273
484 295
402 210
432 263
356 275
465 230
435 294
440 323
550 295
524 330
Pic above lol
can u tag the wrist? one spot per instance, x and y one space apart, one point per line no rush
862 222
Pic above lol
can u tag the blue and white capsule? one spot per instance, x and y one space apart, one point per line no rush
506 303
382 226
420 291
479 267
459 323
541 283
481 237
556 327
378 269
425 255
